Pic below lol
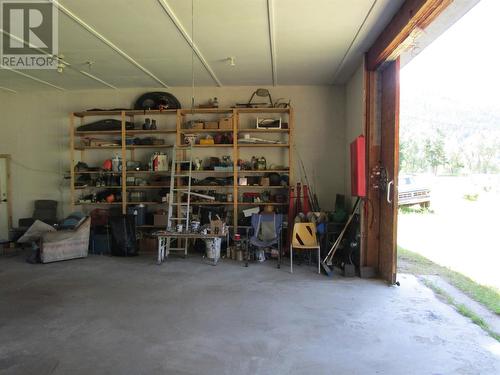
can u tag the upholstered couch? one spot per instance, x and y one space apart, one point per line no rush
66 243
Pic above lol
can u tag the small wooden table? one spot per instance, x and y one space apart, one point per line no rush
164 241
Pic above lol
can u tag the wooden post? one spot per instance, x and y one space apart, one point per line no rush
236 156
72 160
291 119
124 165
371 223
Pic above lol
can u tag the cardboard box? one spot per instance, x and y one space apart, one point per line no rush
160 220
226 123
264 181
159 162
197 125
211 125
217 227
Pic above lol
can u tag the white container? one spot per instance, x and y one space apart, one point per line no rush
213 249
116 163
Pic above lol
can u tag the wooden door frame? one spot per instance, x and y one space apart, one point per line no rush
8 158
412 16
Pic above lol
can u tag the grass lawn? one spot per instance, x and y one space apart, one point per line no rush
416 264
410 262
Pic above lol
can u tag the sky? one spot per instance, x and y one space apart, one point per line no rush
464 62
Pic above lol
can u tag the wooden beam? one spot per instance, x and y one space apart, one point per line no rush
371 222
413 15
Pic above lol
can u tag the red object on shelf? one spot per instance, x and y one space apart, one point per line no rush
358 167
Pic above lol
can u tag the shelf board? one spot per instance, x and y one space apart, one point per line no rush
96 187
195 131
132 112
211 203
140 131
94 132
210 187
262 204
205 110
149 146
150 226
215 145
263 145
119 132
133 203
80 148
98 172
264 171
128 112
262 110
212 172
97 204
253 130
241 172
251 187
149 172
138 187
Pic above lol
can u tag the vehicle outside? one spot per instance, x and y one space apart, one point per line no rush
410 192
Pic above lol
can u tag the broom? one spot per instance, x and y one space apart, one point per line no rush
327 262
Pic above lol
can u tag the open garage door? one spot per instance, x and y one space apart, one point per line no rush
382 65
382 114
389 161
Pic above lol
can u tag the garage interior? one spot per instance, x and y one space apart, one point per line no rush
160 179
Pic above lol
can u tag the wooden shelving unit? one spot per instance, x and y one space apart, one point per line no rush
128 152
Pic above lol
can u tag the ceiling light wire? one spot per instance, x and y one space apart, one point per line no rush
192 56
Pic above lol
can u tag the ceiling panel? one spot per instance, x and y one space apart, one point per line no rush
225 28
141 29
311 40
19 83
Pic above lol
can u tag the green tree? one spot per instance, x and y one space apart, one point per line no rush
455 163
434 152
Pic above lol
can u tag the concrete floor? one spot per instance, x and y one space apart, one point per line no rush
105 315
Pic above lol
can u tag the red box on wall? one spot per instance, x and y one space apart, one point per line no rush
358 171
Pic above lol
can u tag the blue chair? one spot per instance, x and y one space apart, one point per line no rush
273 224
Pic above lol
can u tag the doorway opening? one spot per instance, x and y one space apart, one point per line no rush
5 198
449 183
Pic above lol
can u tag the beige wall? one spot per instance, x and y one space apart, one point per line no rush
354 121
34 130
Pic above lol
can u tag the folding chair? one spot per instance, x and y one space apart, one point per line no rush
304 238
273 240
